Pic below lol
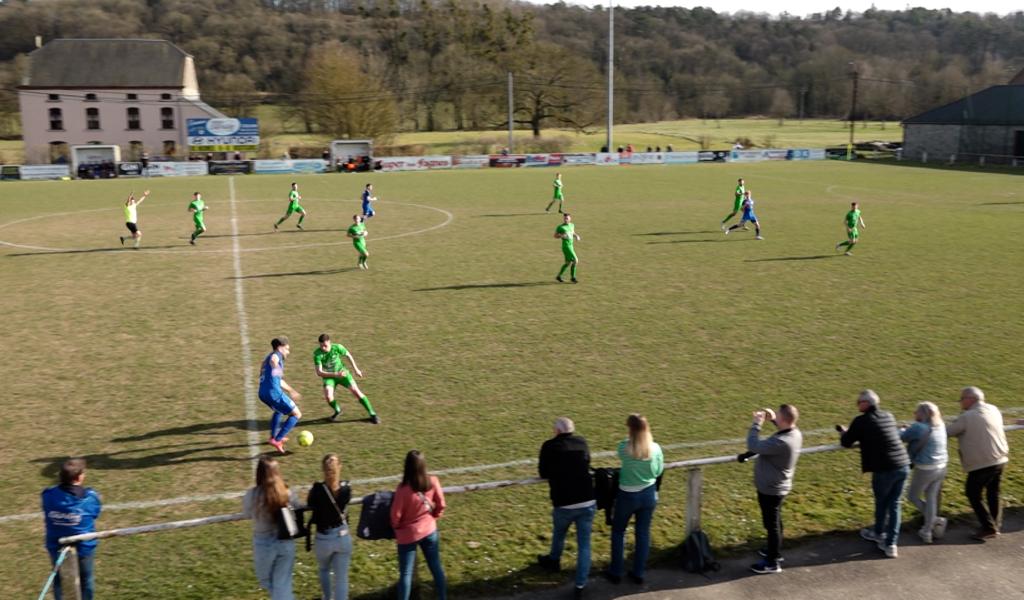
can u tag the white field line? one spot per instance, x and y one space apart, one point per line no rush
143 504
249 389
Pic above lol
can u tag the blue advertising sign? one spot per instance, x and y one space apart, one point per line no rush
224 135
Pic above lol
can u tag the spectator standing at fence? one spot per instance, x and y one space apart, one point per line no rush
565 463
642 464
984 453
69 509
926 445
273 559
882 454
328 500
773 475
417 505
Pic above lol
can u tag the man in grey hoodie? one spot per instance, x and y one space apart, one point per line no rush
773 475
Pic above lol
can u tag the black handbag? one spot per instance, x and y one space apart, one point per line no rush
291 523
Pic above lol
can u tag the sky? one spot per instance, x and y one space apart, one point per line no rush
803 8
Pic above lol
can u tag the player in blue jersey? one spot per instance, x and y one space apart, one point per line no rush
748 216
368 200
277 394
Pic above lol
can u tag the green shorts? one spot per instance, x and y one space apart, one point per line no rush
737 205
570 253
360 245
347 382
558 195
294 207
853 234
198 222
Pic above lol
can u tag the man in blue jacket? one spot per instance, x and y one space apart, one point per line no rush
71 509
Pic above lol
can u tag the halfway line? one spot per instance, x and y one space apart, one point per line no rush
243 330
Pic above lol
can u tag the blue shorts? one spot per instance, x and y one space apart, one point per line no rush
748 217
278 402
368 210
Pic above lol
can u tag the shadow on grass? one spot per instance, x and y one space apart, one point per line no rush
273 232
147 459
716 240
484 286
94 250
673 233
990 169
299 273
785 258
999 203
536 214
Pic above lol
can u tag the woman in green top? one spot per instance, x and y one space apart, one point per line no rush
642 464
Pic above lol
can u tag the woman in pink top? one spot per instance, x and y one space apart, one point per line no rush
417 505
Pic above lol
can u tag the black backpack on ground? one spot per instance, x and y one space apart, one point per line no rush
697 555
375 517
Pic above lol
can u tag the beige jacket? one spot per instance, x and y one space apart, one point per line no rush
982 439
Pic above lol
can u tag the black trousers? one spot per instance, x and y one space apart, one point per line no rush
771 516
986 479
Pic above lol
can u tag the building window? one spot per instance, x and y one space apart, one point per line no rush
53 97
92 118
90 97
170 147
58 152
56 119
132 96
134 150
167 118
133 118
165 96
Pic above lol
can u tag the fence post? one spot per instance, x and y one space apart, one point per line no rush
70 585
924 157
694 493
981 161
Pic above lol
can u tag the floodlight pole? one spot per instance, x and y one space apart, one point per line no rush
611 72
510 112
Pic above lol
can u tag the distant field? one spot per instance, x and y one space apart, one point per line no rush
470 349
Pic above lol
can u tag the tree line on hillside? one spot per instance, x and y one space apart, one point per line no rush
372 67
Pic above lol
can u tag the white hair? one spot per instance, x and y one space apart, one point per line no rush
870 397
974 392
564 425
930 412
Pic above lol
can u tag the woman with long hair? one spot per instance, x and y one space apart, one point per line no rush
926 445
273 559
642 464
417 505
328 501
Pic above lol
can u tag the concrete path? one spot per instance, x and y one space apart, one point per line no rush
844 567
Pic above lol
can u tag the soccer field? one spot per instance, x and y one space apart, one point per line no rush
137 359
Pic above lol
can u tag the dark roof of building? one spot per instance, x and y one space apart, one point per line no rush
997 105
100 63
1018 79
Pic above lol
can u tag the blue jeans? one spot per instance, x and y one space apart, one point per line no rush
273 560
627 504
333 554
85 576
431 546
562 518
888 489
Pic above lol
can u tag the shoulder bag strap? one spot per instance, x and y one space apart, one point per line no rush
330 496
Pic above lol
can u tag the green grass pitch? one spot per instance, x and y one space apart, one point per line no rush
469 347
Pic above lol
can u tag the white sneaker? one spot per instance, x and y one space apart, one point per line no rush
891 552
939 528
726 232
759 238
870 535
925 535
724 226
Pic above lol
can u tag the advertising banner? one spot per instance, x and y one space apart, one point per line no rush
298 165
504 161
543 160
176 169
816 154
224 135
647 158
9 172
679 158
578 159
806 154
713 155
415 163
44 171
230 167
129 169
746 156
476 161
775 154
606 158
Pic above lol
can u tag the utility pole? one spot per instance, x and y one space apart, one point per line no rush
803 94
855 76
511 110
611 72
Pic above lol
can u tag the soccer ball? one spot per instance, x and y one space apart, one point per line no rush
306 438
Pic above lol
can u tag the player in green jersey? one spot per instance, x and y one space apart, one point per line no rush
197 207
131 217
852 220
567 233
328 365
293 207
737 203
357 231
557 195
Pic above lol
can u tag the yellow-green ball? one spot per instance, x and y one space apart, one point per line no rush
306 438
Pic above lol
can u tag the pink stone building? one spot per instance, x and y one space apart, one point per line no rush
136 94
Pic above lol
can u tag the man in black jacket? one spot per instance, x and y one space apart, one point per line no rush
882 454
565 463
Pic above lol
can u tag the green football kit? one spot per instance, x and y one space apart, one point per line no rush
358 233
199 207
556 196
330 362
737 204
852 220
567 231
293 207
